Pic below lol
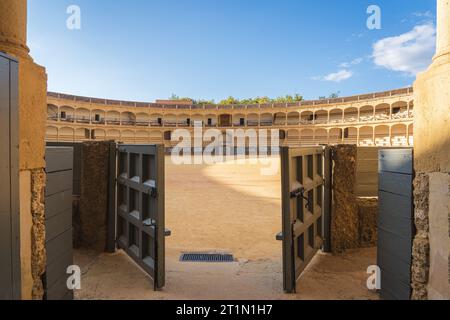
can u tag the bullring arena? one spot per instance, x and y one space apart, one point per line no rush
241 213
376 119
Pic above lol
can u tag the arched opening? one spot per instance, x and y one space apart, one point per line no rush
170 120
155 136
52 112
127 118
307 117
225 120
293 118
321 136
293 137
142 119
66 134
399 135
321 117
382 136
279 119
366 137
252 120
98 116
113 135
382 111
128 136
99 134
336 116
307 137
400 110
112 117
210 120
67 114
335 136
51 133
156 120
351 115
82 115
184 120
266 120
197 119
239 120
366 114
82 134
142 137
350 135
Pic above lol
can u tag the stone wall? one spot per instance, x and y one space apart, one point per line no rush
421 244
91 220
368 221
344 215
353 218
38 254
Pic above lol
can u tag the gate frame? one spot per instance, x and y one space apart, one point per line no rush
290 276
160 232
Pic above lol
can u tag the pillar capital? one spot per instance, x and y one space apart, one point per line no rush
13 27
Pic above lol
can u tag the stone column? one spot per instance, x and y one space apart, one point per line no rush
32 118
432 166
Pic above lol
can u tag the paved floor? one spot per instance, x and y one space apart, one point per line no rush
233 208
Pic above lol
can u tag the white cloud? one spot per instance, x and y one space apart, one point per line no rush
351 63
409 53
336 77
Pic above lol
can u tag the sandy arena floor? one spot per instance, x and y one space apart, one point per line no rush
226 207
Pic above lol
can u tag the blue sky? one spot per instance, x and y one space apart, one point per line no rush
148 49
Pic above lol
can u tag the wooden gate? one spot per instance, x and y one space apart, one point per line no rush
9 188
395 223
58 222
306 198
140 208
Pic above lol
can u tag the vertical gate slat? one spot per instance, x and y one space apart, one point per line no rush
58 221
395 223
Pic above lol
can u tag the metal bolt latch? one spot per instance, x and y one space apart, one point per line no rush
300 193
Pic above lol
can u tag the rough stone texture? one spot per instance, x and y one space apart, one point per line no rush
368 221
344 216
38 254
438 283
93 204
421 244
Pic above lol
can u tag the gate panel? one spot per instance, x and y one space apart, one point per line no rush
395 223
302 172
58 222
140 207
10 281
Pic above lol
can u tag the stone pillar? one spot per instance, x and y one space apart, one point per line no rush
344 215
432 166
32 118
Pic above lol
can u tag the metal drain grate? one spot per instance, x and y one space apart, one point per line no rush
206 257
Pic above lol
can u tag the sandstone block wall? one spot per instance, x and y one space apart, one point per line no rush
353 218
368 221
91 219
344 216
